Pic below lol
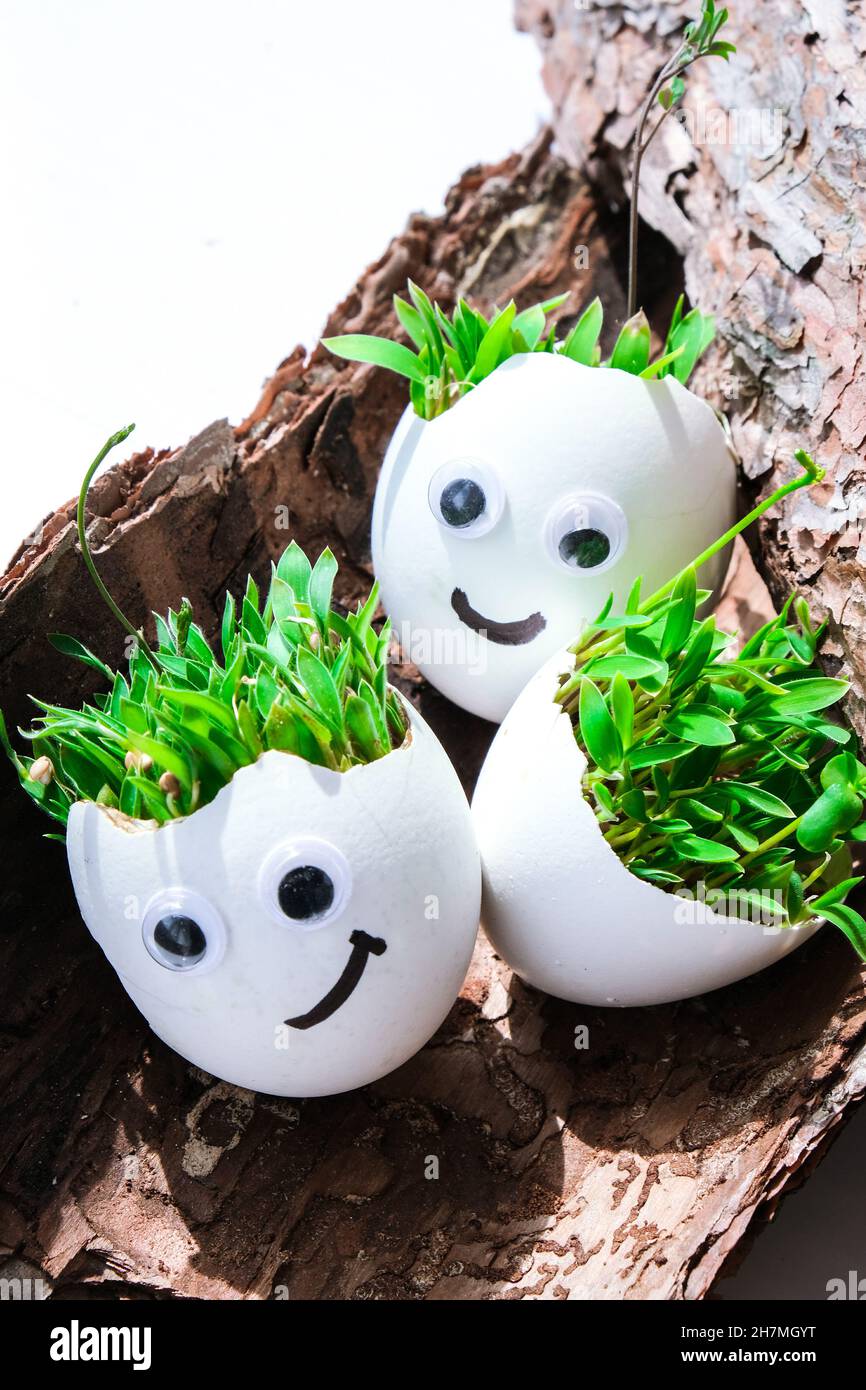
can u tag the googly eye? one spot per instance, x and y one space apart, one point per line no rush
466 497
305 883
183 932
586 533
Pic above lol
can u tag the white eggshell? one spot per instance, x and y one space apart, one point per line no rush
559 905
404 828
549 429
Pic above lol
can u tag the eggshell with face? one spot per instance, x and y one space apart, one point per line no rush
560 906
379 870
590 477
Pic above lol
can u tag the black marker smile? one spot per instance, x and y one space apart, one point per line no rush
363 946
514 634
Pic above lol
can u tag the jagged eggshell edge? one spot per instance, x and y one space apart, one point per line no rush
560 906
403 823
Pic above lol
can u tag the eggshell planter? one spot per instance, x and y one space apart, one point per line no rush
552 445
302 1005
559 905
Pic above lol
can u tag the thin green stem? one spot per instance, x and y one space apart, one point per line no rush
787 829
667 71
121 617
816 873
698 42
623 837
781 835
811 474
644 847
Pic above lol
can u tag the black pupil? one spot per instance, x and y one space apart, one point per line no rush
305 892
584 549
462 502
180 937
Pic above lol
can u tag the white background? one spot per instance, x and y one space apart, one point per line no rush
189 188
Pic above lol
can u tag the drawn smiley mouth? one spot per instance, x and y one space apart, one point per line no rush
514 634
363 946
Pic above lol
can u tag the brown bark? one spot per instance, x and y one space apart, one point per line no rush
627 1170
762 191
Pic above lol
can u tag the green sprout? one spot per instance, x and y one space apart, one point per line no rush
452 355
455 354
170 732
700 40
707 767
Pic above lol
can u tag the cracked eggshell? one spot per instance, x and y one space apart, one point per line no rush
558 904
401 828
545 431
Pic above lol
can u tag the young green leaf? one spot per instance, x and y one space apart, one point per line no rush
681 616
836 894
632 348
651 753
660 365
70 646
757 797
695 657
362 729
689 340
808 696
381 352
320 687
845 769
627 665
850 923
493 344
836 810
699 725
530 325
604 800
597 728
581 341
410 319
295 570
622 708
704 851
425 309
321 586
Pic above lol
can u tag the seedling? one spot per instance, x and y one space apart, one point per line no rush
250 834
505 520
720 769
453 354
661 816
292 674
700 40
556 472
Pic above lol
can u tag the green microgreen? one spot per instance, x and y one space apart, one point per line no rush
166 734
705 768
455 354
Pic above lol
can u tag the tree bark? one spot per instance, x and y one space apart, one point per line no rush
631 1168
761 189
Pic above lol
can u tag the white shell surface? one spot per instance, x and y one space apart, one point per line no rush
548 429
559 905
404 828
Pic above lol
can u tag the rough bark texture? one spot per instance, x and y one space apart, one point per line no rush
629 1169
761 188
